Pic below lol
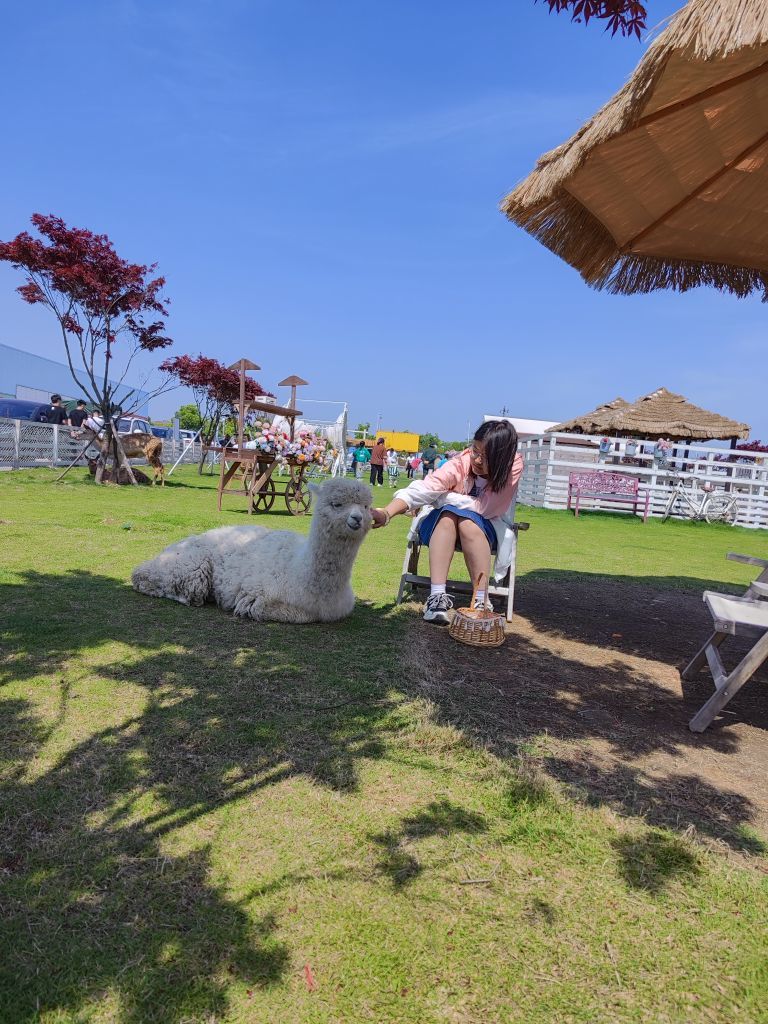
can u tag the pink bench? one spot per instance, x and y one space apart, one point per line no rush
617 487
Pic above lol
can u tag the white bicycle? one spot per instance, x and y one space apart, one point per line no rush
701 502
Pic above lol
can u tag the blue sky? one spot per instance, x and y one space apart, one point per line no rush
319 183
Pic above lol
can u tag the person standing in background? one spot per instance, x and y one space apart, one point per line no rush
362 457
78 415
56 412
393 469
378 458
428 459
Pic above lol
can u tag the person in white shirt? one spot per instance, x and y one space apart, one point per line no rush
393 469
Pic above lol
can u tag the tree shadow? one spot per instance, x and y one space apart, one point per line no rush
541 912
96 907
587 686
659 617
651 861
441 817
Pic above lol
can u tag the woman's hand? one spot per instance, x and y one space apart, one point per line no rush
380 517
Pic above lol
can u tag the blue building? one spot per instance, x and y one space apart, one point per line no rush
35 378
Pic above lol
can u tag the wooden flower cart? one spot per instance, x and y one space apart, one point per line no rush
255 470
252 468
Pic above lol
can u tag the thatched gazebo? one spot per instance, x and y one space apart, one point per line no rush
665 186
661 413
590 422
665 414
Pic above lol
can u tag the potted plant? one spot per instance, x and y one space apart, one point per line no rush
605 445
631 448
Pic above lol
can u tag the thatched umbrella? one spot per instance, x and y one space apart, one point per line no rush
590 422
665 414
666 186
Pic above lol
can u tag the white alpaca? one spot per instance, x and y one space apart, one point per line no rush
270 574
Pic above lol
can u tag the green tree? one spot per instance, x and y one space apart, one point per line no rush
189 417
427 439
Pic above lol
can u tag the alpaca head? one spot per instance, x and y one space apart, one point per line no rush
342 509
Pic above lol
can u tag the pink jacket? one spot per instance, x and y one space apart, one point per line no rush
457 476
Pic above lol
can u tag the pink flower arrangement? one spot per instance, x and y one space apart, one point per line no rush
305 448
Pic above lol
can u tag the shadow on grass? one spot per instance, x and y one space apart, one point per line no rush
441 817
651 861
661 618
615 728
95 906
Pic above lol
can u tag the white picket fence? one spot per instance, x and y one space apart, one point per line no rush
549 459
24 444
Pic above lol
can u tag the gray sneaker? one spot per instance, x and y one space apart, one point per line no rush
483 604
437 607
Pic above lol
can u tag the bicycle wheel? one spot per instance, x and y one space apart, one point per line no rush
721 508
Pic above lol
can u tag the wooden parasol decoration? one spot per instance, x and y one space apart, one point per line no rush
665 186
258 467
292 382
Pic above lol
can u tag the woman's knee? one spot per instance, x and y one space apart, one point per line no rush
468 530
447 523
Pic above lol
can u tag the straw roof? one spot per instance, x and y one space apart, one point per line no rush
665 186
665 414
591 422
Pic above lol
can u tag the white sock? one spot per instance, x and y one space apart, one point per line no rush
436 588
480 596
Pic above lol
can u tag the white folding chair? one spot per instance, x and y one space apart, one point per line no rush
757 588
731 616
411 580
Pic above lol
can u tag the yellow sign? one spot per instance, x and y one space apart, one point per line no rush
400 440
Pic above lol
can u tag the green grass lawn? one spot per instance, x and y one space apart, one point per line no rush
206 820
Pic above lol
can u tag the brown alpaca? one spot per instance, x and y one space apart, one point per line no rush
137 445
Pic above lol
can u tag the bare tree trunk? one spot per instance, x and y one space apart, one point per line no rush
121 461
112 448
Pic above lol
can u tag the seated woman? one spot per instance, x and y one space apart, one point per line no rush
471 495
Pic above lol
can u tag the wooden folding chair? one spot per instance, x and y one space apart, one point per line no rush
411 581
731 616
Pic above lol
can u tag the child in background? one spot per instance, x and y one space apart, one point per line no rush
393 469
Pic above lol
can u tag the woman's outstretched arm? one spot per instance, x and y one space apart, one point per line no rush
381 516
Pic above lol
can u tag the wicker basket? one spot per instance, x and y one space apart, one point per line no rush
477 627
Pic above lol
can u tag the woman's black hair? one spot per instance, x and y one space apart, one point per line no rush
500 439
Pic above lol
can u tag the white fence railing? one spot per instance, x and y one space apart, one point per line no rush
551 457
24 444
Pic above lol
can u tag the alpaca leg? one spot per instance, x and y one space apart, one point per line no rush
250 606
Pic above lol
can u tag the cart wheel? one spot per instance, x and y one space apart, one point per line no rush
298 497
264 499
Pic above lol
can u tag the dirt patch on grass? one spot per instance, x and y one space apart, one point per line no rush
588 685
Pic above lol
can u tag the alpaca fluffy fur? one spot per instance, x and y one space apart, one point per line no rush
275 575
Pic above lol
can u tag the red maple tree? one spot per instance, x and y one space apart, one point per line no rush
215 390
99 299
624 16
